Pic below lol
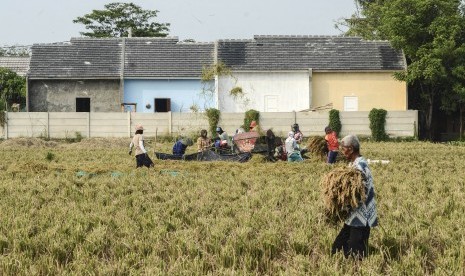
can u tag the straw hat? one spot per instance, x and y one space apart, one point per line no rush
139 127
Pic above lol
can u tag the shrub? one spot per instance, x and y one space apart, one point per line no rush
213 116
377 124
251 115
335 121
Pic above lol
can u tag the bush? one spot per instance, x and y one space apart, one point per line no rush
213 116
251 115
335 121
377 124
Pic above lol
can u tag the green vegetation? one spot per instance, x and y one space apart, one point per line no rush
377 124
213 116
117 18
12 89
89 211
251 115
430 34
335 121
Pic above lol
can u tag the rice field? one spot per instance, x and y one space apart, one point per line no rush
83 209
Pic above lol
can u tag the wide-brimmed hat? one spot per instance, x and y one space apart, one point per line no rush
139 127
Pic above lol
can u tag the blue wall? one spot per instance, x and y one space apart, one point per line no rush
183 94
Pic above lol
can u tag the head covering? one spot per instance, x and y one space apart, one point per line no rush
253 124
139 127
295 127
219 130
328 129
290 134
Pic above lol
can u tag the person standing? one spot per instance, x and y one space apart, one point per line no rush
203 143
298 136
142 158
354 235
333 145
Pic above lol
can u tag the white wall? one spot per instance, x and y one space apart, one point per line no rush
67 124
290 90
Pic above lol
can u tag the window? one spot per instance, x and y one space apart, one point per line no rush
271 103
351 103
128 107
82 104
162 105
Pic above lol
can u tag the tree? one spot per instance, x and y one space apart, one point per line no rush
429 32
117 18
12 89
15 51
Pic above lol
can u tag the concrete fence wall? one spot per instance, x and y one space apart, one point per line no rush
71 124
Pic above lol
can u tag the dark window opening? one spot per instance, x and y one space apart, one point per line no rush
162 105
82 104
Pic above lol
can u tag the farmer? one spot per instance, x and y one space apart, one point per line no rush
332 143
142 158
179 148
292 150
298 136
203 143
353 237
223 138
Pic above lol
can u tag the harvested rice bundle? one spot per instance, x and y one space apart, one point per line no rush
317 146
342 188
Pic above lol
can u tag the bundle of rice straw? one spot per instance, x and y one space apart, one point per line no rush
317 146
342 187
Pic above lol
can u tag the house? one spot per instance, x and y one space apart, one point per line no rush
118 74
268 73
19 65
295 73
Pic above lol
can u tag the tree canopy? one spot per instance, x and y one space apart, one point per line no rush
12 88
432 37
117 18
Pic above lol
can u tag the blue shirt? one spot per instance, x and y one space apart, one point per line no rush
365 214
179 148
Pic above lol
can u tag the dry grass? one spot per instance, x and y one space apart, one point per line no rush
79 209
341 188
317 146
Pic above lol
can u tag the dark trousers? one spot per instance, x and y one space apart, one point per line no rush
332 155
353 241
143 160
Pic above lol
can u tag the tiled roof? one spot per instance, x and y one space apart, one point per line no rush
169 58
166 58
19 65
80 58
264 53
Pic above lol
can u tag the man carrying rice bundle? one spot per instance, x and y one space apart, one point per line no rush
353 237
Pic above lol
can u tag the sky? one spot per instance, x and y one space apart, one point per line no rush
26 22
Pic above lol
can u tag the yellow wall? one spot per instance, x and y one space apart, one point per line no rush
374 90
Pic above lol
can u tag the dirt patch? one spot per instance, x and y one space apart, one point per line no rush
28 142
100 143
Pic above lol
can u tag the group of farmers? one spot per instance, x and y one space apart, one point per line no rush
352 239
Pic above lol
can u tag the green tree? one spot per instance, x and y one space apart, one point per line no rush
429 32
12 89
15 51
117 18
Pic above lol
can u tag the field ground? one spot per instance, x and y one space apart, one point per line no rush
83 209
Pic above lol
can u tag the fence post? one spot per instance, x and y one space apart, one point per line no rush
88 124
170 122
6 125
48 125
129 123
